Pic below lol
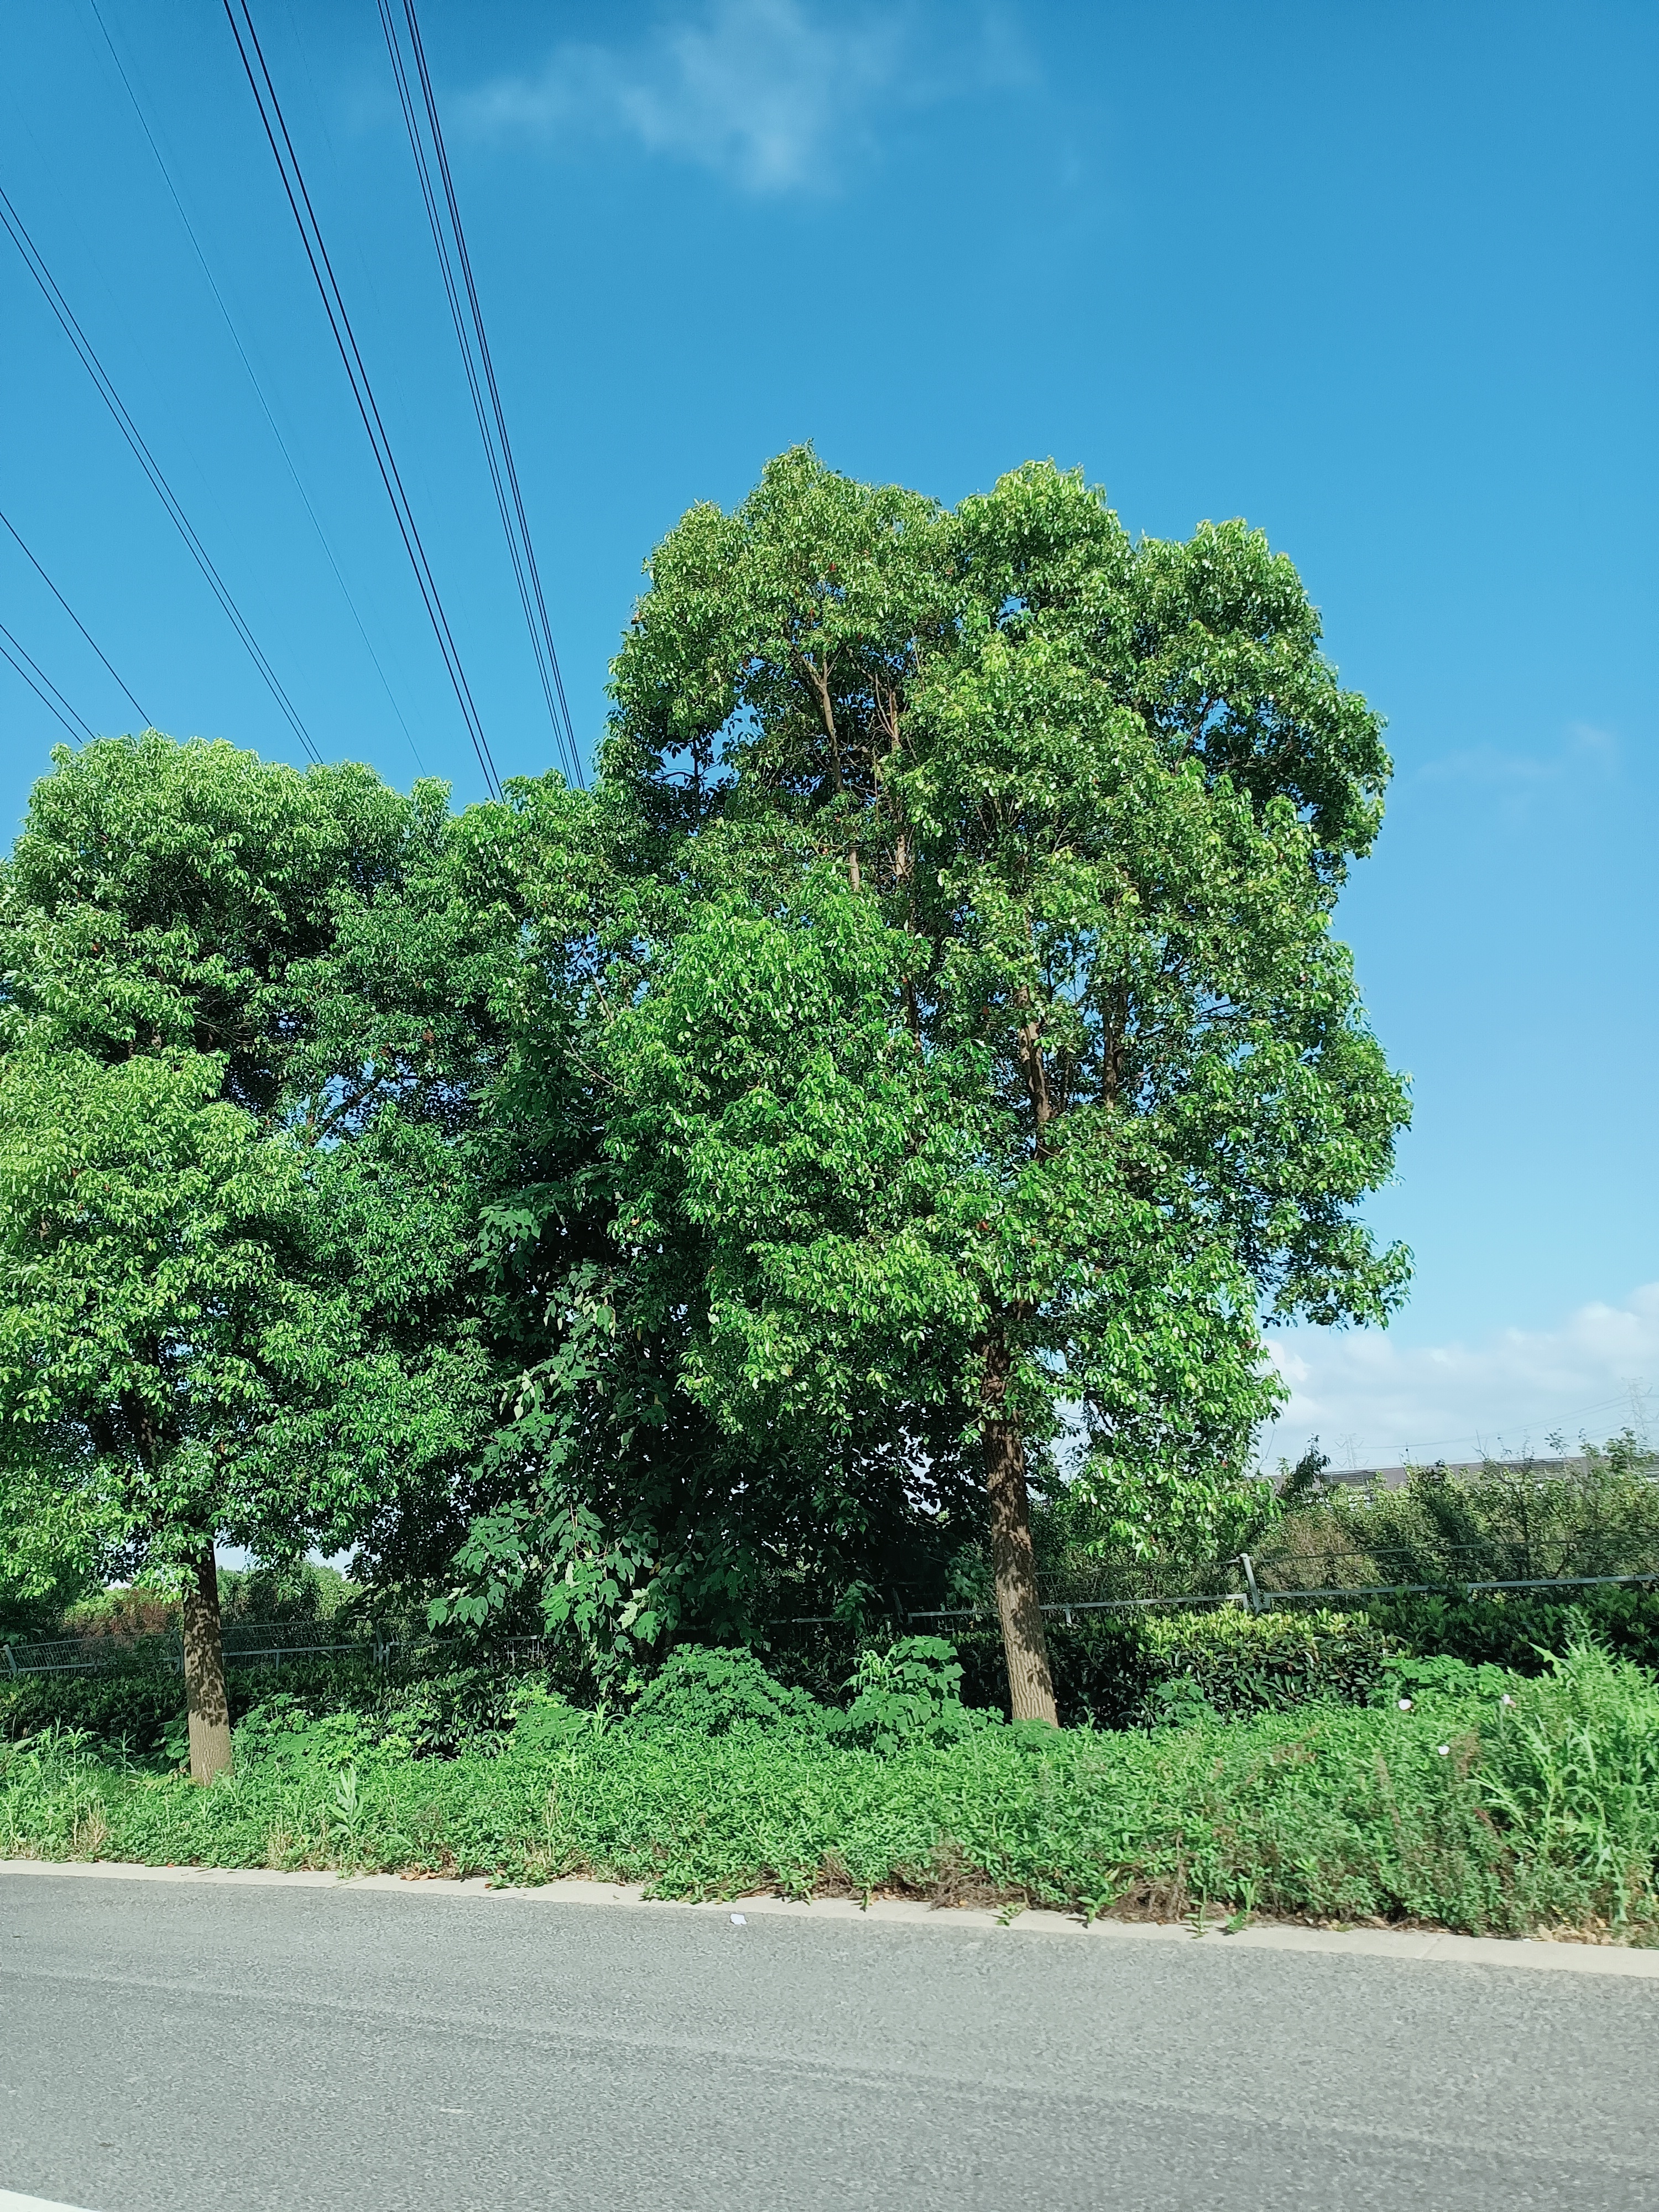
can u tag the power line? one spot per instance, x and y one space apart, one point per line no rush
258 389
112 399
42 686
492 421
74 618
549 649
264 89
448 273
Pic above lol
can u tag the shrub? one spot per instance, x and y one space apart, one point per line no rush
1241 1663
464 1709
710 1691
441 1715
1596 1514
546 1722
1522 1630
280 1729
435 1706
134 1703
1136 1670
910 1694
122 1612
1441 1680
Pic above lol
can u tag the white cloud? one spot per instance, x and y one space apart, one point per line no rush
777 96
1584 751
1373 1399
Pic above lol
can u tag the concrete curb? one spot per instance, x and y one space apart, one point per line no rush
1279 1936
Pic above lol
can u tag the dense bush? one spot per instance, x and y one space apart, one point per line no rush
438 1707
1241 1663
1522 1630
1111 1671
1597 1513
1126 1670
911 1694
709 1692
1461 1808
465 1710
133 1705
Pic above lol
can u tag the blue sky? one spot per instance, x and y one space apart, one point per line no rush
1380 279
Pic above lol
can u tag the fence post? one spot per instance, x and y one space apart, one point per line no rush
11 1659
1250 1581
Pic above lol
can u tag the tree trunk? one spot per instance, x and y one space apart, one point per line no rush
204 1673
1013 1562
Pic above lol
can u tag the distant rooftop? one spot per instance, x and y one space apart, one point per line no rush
1395 1477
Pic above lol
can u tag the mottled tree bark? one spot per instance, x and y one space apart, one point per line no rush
1013 1561
205 1701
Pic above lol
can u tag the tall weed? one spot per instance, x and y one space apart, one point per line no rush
1571 1772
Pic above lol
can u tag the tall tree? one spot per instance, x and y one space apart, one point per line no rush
1060 1076
616 1493
235 1213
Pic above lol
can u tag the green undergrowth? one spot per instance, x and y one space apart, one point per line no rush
1484 1801
138 1709
1110 1671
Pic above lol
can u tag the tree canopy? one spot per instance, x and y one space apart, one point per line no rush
917 1068
1066 1076
233 1211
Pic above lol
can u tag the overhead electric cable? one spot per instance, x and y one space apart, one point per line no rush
42 686
552 656
252 377
73 616
263 88
448 273
472 338
112 399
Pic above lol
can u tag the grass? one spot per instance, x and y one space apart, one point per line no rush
1537 1814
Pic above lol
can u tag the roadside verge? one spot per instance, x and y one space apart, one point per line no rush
1269 1936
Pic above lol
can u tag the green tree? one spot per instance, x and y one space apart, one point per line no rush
243 1019
48 1554
615 1493
1003 1060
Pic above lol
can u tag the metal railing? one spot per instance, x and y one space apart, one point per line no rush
244 1642
273 1642
1255 1599
1253 1595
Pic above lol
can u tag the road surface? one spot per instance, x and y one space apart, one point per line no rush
177 2047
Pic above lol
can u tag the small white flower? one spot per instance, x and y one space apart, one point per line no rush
1444 1749
1405 1705
1506 1699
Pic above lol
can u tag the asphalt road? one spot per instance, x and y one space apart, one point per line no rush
172 2048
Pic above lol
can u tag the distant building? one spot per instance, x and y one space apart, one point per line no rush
1396 1478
